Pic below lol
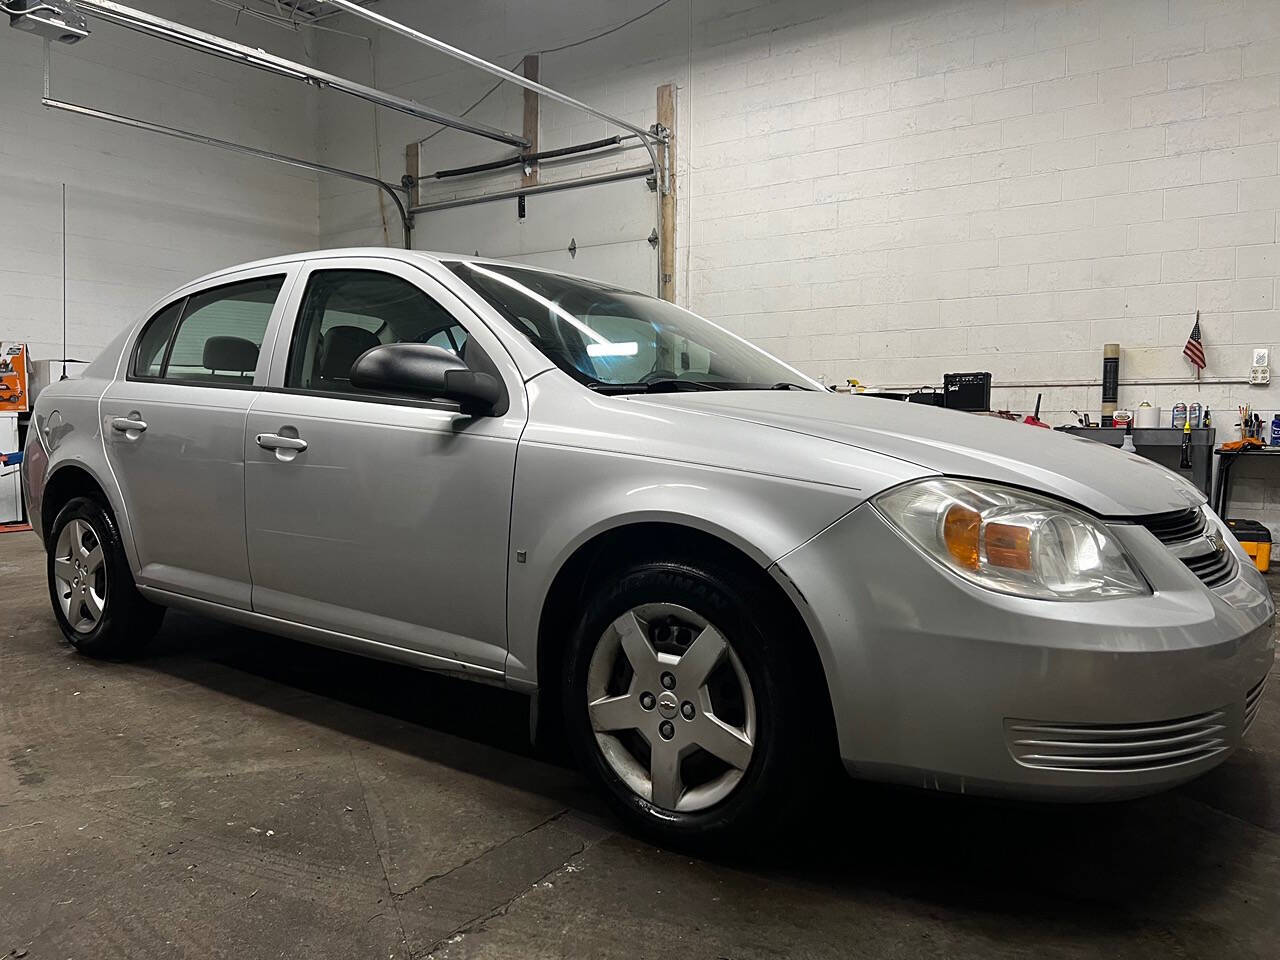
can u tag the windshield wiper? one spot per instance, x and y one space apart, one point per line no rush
663 385
753 385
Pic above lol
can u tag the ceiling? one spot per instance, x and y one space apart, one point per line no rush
310 10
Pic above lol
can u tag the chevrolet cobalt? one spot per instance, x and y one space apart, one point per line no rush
708 571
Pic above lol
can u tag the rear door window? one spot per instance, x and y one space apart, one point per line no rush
212 337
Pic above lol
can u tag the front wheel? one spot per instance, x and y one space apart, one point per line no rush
680 696
91 587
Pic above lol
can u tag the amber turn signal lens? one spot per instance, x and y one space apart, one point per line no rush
1008 546
960 530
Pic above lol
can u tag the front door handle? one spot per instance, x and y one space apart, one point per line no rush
273 441
128 424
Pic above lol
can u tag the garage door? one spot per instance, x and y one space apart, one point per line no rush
608 226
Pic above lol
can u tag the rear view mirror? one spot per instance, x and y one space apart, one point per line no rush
429 372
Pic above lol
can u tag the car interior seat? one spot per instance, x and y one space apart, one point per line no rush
230 355
340 347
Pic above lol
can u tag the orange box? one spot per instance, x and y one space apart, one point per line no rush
13 378
1261 553
1255 539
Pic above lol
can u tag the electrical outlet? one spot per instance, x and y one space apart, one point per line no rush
1261 357
1260 376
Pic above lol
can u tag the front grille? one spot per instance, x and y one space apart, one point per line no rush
1252 701
1184 532
1177 526
1116 747
1215 568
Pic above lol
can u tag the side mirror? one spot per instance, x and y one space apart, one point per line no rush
428 372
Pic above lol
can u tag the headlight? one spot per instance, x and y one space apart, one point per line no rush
1225 534
1015 542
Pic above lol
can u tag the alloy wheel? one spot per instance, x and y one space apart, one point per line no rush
80 575
671 707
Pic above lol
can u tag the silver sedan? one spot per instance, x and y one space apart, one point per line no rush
709 572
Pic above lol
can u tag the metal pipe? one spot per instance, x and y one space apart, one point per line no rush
406 219
631 173
648 138
193 39
481 64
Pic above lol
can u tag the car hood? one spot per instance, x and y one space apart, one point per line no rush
1100 478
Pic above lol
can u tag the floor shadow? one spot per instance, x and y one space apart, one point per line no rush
472 727
1051 862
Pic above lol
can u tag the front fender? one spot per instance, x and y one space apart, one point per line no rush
553 516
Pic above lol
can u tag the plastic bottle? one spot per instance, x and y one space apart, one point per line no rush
1127 443
1275 430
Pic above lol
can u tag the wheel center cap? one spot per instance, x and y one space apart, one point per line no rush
668 704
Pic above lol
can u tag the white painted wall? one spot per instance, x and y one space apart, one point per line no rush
1001 186
145 213
890 190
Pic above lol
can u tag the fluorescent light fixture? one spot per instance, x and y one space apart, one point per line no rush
613 349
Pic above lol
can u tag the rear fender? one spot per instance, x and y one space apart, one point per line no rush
70 437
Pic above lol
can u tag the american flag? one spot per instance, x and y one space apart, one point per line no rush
1194 350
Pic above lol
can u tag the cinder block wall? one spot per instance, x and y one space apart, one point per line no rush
1001 186
145 213
890 190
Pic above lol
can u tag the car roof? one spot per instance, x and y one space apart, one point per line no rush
389 253
385 253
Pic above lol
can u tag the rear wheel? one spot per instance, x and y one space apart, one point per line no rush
681 698
95 600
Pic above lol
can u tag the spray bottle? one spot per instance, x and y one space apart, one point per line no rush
1127 444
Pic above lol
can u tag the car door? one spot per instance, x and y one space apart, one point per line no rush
374 517
173 430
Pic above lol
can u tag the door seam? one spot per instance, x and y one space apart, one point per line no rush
244 495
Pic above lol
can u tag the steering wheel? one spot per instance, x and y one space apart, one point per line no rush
658 375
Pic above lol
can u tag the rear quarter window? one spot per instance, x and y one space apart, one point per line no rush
148 358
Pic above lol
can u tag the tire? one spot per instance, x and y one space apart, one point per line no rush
95 600
719 793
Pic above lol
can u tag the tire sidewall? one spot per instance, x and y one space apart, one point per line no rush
745 624
118 580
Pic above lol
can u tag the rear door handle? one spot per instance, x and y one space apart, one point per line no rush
126 424
273 441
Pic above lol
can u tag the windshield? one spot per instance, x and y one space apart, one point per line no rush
619 341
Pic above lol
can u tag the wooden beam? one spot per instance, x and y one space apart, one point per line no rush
412 168
667 226
532 105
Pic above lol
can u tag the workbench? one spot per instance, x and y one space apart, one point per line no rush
1227 459
1164 446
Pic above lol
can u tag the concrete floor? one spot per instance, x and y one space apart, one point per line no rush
237 795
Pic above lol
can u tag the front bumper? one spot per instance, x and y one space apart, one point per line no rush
942 684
